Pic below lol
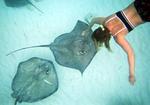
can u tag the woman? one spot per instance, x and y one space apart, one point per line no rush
119 25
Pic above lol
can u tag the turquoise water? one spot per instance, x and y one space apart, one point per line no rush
104 82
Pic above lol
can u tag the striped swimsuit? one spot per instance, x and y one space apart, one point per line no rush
126 22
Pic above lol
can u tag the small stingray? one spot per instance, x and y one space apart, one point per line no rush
72 49
20 3
35 79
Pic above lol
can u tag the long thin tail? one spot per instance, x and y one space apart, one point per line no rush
34 6
16 102
26 48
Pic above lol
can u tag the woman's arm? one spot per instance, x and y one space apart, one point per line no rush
120 39
96 20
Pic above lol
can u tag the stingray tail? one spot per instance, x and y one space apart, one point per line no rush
26 48
34 6
16 102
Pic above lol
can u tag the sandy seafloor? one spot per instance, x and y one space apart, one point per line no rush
104 82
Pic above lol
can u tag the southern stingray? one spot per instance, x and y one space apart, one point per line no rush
35 79
20 3
72 49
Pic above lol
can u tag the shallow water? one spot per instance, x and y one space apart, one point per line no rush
104 82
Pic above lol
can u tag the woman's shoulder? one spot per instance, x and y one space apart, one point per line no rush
108 18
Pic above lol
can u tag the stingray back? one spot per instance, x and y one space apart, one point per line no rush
35 79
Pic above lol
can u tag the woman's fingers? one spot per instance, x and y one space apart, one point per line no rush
132 80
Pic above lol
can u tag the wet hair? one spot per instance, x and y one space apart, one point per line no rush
101 37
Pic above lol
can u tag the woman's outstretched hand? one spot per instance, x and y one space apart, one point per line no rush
89 17
132 80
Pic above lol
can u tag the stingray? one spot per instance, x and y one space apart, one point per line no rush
72 49
20 3
35 79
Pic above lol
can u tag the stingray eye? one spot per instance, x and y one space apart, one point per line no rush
47 71
46 68
82 52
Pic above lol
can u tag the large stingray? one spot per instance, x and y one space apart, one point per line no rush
20 3
72 49
35 79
